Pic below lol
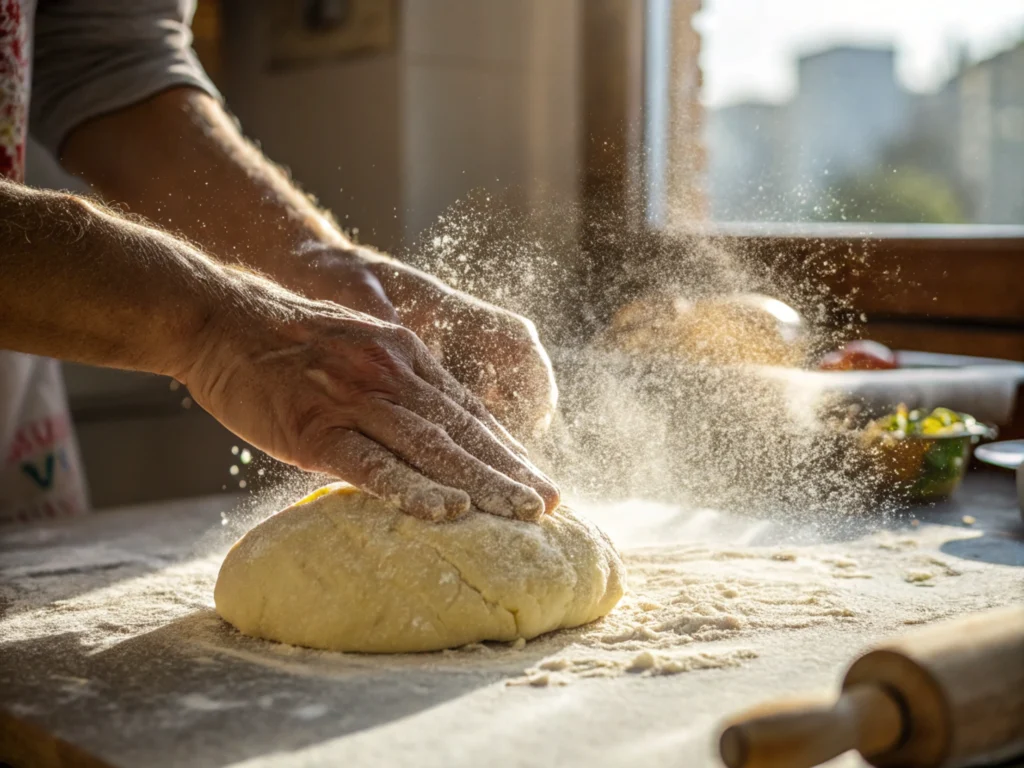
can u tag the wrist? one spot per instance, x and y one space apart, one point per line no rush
340 274
227 304
189 324
155 299
215 299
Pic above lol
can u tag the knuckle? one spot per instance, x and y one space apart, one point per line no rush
431 437
469 422
378 364
406 338
523 328
312 439
383 475
307 420
475 406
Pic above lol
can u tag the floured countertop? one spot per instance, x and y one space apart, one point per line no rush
109 641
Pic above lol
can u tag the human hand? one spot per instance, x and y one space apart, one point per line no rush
197 161
332 390
495 353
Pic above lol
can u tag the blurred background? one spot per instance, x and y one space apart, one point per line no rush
895 123
927 125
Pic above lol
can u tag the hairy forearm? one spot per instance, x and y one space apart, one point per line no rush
179 160
80 283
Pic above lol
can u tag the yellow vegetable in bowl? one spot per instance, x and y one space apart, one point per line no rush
922 455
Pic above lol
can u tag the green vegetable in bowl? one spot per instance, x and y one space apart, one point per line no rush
920 455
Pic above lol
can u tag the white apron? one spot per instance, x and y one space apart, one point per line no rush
40 470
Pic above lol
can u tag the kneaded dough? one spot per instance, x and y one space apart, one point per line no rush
734 329
343 571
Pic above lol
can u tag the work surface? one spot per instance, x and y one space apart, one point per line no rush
109 643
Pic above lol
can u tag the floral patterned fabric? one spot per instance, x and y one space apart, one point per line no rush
15 64
91 57
40 469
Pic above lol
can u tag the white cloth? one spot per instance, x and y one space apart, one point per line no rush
41 471
89 57
984 388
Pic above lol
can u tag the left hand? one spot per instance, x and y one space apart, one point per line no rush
494 353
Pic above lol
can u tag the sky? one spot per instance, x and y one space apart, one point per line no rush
750 46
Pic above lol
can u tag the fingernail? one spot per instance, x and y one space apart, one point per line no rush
527 504
552 499
548 491
433 504
457 504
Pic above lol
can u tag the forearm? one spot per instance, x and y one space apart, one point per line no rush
202 179
82 284
180 161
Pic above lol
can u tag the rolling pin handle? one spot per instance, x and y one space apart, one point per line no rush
805 733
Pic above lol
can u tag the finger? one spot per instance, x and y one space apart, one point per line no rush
521 395
459 422
433 373
429 448
370 467
344 278
430 369
473 436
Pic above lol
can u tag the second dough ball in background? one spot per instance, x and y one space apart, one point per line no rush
735 329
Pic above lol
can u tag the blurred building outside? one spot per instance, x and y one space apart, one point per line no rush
854 145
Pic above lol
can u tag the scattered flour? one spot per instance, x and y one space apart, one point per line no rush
894 543
928 568
690 607
201 703
845 568
840 562
921 578
112 613
562 670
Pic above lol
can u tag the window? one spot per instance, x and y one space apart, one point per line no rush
882 140
906 111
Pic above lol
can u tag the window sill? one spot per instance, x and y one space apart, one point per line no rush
939 288
864 231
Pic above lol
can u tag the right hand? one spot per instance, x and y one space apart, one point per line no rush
332 390
494 353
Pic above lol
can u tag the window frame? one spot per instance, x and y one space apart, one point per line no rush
959 289
966 279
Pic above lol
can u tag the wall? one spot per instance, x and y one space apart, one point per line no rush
490 100
335 124
475 94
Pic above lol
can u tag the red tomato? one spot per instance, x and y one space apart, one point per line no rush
860 356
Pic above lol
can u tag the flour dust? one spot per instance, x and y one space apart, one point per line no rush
721 435
710 434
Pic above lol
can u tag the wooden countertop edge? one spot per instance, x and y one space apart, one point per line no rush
23 744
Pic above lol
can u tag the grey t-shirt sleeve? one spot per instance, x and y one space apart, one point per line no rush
96 56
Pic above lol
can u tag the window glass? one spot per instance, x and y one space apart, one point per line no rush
878 110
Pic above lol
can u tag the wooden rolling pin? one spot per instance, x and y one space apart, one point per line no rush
948 695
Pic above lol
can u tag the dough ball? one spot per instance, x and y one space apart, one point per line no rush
343 571
745 328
